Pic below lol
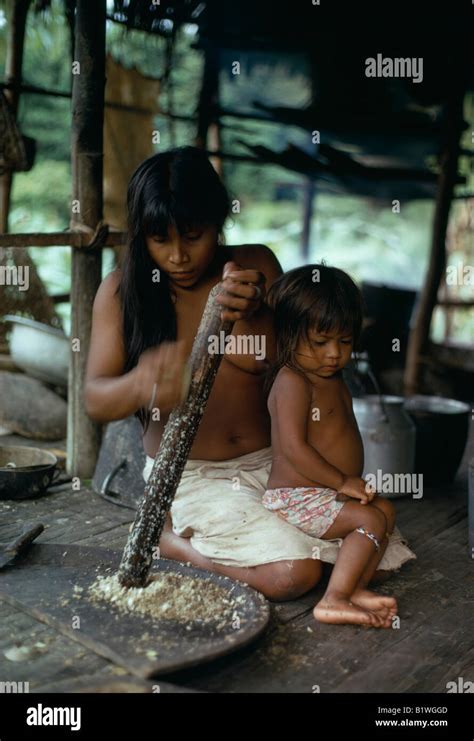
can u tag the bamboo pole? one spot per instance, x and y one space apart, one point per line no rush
177 440
309 190
44 308
88 89
208 96
13 74
80 240
419 335
208 130
35 90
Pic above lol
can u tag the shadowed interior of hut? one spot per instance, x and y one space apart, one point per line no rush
236 349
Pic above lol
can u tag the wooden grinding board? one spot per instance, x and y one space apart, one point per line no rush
38 581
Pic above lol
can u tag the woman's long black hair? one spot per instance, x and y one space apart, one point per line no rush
180 188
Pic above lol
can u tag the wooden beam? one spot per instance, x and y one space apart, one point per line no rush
62 239
88 89
35 90
420 332
455 304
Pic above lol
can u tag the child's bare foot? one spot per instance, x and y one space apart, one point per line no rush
339 610
380 604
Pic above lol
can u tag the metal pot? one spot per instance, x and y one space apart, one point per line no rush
25 472
40 350
388 435
442 427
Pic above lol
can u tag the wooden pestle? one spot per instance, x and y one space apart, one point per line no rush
178 437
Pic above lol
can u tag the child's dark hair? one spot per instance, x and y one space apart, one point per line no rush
312 297
178 187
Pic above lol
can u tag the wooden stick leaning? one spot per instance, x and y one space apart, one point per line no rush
178 437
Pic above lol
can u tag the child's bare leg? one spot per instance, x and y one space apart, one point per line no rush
383 605
388 510
357 551
362 596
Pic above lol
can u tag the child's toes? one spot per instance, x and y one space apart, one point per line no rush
376 620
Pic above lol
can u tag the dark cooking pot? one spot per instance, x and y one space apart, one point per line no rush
442 427
25 472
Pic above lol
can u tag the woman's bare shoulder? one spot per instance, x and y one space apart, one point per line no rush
257 257
252 252
111 281
108 289
107 304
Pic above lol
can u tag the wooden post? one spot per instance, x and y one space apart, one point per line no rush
419 335
308 195
470 507
43 304
13 75
208 122
215 140
88 90
177 441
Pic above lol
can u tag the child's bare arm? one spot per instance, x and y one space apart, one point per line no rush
289 410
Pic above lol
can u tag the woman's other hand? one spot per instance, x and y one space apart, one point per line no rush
164 366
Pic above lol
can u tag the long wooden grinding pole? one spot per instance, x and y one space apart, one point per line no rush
176 442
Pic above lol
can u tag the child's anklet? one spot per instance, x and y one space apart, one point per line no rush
371 536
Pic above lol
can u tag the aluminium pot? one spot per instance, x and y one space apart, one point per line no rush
388 435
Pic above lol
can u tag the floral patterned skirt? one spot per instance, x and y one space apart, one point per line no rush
309 508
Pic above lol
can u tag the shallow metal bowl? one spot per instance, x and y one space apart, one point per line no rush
40 350
25 472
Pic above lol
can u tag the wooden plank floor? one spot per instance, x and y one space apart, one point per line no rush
433 645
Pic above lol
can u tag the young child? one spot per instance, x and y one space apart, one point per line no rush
315 480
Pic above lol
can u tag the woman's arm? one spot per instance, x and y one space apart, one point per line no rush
253 346
259 326
109 394
289 409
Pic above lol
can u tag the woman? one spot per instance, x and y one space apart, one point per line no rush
145 318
